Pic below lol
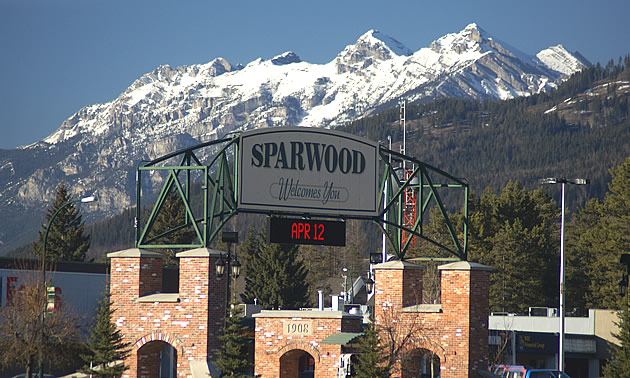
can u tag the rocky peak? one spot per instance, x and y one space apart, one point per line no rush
470 39
286 58
218 67
371 46
172 107
559 59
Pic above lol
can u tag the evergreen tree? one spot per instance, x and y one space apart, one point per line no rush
170 226
232 357
370 362
66 238
600 233
105 345
516 233
274 275
619 364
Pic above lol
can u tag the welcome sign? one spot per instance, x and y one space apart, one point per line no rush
307 170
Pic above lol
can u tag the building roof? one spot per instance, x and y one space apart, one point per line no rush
342 338
18 263
304 314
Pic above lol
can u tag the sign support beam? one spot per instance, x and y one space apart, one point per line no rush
212 191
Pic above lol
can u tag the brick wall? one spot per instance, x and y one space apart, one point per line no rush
189 320
456 331
272 345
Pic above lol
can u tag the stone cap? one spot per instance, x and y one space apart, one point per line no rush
200 252
424 308
305 314
465 265
397 265
159 297
135 252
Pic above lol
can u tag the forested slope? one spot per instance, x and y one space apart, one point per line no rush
580 130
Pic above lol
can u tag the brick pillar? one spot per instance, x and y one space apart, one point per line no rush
398 283
205 294
465 307
134 273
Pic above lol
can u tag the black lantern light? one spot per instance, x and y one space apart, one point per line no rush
376 258
220 266
236 268
369 284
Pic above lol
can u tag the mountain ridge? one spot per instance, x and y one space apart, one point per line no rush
169 108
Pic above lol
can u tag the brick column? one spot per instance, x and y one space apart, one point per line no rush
465 307
205 295
397 283
134 273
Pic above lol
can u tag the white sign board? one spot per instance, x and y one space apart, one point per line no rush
307 170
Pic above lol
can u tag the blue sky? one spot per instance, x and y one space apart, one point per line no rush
57 56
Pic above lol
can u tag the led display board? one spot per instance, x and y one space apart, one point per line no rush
307 231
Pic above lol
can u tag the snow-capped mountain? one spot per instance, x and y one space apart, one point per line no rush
168 108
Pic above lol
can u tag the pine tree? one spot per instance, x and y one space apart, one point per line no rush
601 232
516 233
170 226
370 362
66 238
275 276
105 344
232 357
619 364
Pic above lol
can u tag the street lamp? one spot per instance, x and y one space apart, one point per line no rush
563 181
233 266
348 296
369 284
81 200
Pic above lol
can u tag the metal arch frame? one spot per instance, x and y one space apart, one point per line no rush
393 202
220 198
219 194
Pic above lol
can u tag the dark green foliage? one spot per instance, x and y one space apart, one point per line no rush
619 364
516 233
232 357
105 345
274 274
490 142
112 234
370 362
66 238
171 226
598 236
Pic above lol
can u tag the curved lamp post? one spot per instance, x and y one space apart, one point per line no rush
81 200
551 181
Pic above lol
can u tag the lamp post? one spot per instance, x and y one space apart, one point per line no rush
563 181
348 296
41 317
233 266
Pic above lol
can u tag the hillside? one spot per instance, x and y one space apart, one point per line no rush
580 130
96 150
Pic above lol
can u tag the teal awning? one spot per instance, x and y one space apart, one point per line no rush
342 338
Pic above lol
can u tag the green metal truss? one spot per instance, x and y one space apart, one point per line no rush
217 201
